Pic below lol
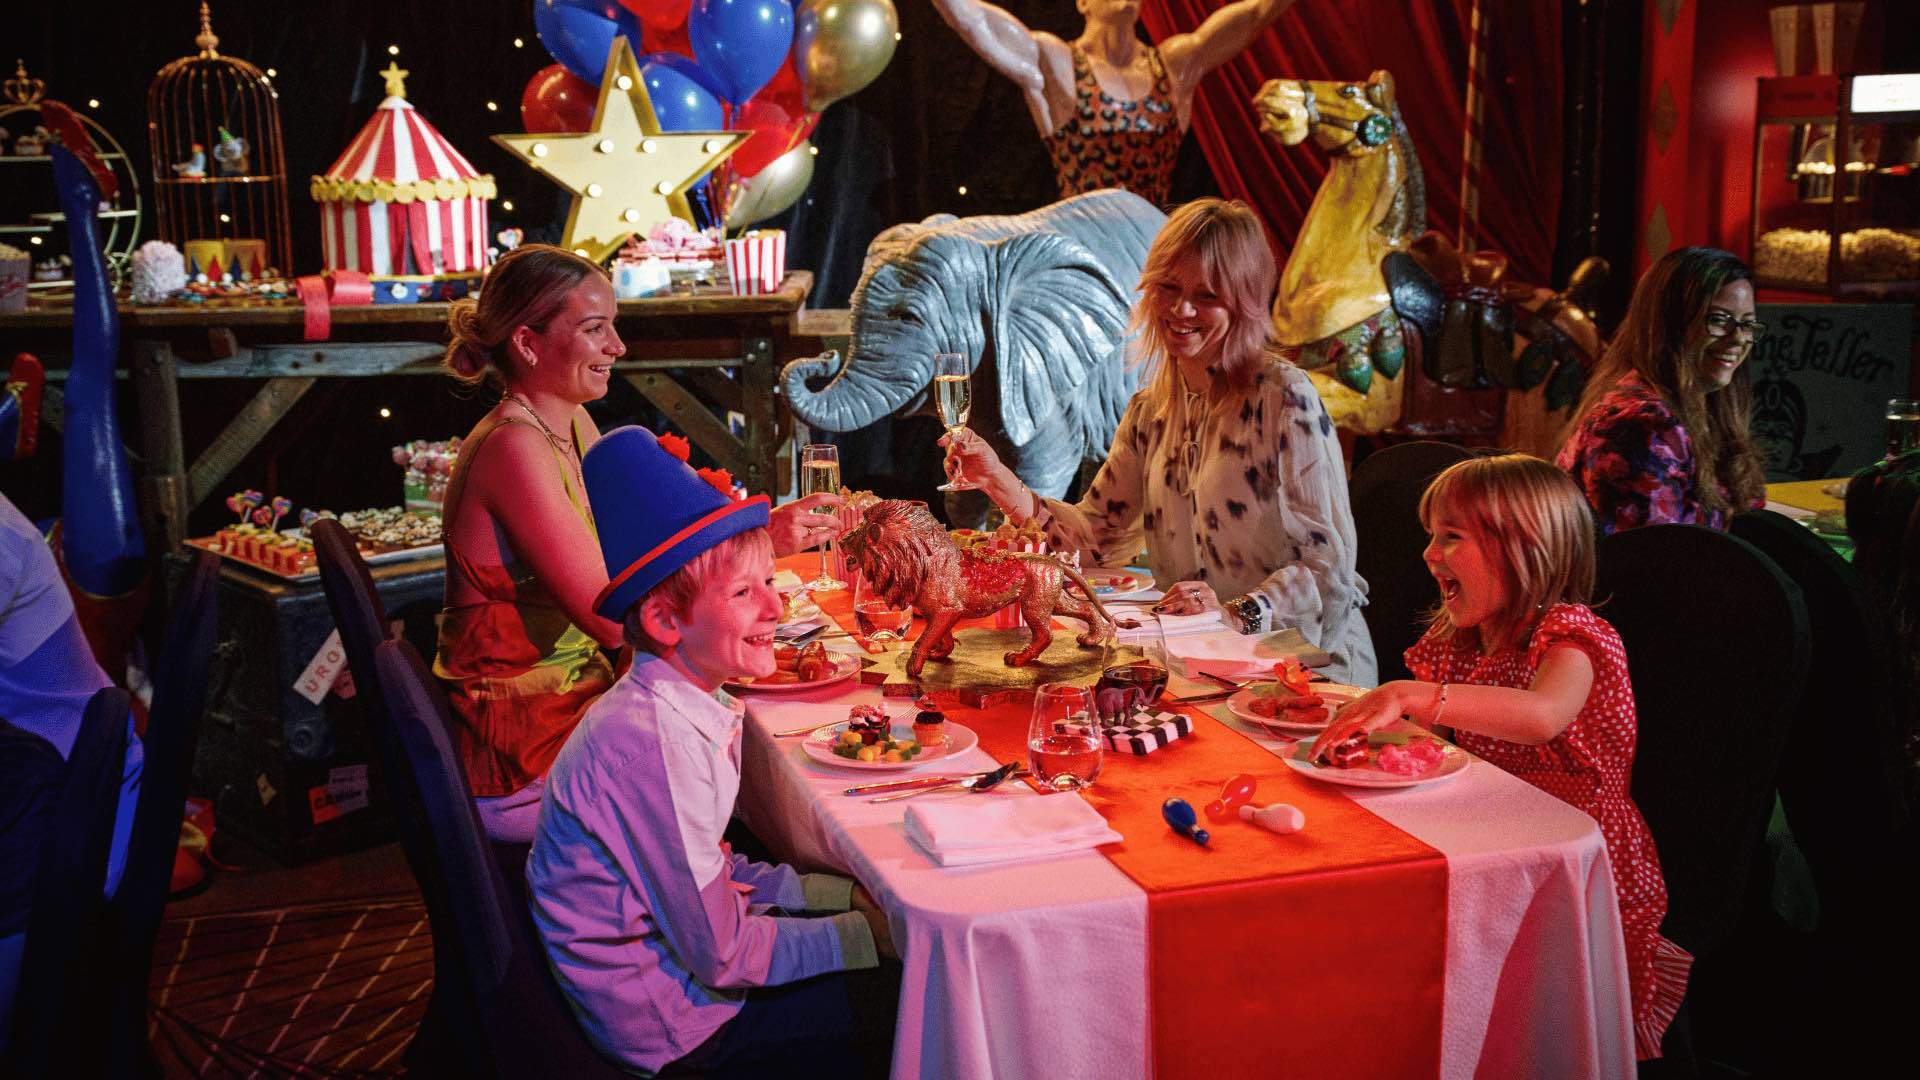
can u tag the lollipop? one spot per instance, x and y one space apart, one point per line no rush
281 504
237 502
261 516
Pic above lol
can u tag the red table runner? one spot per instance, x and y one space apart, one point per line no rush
1319 953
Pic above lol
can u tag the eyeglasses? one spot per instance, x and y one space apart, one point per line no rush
1721 324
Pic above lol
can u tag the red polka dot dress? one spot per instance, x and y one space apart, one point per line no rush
1589 765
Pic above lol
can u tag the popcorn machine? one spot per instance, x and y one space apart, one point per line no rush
1836 184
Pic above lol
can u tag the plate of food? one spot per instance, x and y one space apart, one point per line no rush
1113 582
799 668
1381 759
872 740
1279 709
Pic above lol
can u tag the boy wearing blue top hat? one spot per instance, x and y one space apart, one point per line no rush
661 937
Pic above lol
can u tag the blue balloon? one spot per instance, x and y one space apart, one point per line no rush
682 101
740 43
579 32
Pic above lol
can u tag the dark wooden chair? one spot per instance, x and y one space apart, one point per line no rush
1718 651
502 1011
173 731
1387 486
61 1004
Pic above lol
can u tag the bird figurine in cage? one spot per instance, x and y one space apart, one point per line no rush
219 163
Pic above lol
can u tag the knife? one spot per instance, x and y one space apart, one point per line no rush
901 785
983 782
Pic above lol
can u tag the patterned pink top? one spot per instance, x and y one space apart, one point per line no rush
1589 765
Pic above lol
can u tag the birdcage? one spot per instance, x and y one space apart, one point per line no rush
26 195
219 169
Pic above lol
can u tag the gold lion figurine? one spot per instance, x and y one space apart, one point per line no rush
909 558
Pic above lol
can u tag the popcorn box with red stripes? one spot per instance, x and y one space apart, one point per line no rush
757 262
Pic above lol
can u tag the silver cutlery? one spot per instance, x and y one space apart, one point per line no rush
974 784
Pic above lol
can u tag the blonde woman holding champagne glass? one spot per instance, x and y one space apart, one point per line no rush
1226 461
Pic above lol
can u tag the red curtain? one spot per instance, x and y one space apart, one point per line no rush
1424 45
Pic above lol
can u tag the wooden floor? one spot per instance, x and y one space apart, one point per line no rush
247 982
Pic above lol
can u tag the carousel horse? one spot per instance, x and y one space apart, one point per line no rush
97 541
1482 335
1334 314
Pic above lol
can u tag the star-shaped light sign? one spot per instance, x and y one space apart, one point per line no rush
624 172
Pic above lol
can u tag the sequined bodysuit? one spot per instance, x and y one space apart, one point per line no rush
1112 143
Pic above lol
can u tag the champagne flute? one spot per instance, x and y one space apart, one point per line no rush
953 396
820 471
1063 738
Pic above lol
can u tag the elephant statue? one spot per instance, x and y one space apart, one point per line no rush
1039 303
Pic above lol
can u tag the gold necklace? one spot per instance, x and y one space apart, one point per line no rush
564 446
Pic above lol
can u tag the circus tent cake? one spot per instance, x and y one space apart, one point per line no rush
402 206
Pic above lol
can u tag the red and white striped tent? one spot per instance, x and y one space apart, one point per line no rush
401 204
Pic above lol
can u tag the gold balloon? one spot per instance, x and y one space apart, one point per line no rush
758 197
841 45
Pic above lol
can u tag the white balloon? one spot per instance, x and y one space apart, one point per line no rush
758 197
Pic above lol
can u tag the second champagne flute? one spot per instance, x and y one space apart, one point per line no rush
820 471
953 396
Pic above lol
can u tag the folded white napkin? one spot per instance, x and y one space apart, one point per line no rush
1004 828
1239 656
786 581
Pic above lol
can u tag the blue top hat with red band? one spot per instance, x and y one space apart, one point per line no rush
654 514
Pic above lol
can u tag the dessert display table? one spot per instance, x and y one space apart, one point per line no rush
696 355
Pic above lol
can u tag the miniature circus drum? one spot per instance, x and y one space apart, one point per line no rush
402 206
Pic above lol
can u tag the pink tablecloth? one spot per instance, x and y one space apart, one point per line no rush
1039 968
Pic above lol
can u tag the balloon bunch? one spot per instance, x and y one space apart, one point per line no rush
767 67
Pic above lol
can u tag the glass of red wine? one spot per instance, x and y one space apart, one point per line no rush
877 618
1064 738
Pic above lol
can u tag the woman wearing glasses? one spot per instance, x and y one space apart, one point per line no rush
1226 460
1660 436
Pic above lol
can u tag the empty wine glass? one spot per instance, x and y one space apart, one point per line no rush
1128 688
876 616
953 396
1063 738
820 471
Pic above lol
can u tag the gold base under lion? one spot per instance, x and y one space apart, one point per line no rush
976 673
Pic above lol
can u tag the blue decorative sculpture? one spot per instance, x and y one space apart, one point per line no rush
1039 302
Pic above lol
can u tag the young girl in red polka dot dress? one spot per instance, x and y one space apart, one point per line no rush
1533 681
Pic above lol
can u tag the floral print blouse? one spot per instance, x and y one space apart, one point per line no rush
1247 493
1634 462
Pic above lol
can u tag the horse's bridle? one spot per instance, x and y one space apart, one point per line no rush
1370 132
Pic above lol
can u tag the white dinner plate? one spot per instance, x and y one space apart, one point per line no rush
1113 583
1336 695
845 666
819 747
1453 760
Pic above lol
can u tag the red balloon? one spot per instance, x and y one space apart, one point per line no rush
775 131
557 100
660 14
671 39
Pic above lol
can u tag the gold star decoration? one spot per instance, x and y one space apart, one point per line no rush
396 77
624 172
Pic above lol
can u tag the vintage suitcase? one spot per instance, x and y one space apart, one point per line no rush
298 780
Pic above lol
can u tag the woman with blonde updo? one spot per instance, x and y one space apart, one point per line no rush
521 651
